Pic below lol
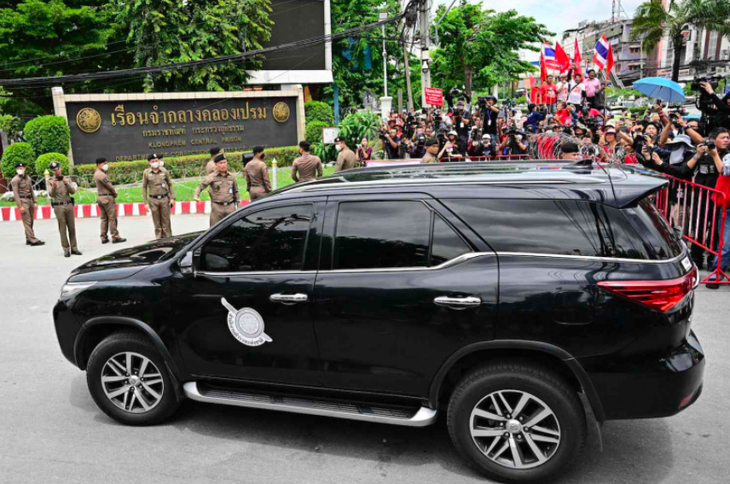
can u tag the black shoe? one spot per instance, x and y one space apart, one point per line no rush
27 242
76 252
37 242
104 241
118 241
67 254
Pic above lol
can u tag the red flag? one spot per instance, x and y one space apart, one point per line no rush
609 60
576 59
543 68
561 57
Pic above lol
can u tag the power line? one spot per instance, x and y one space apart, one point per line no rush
34 81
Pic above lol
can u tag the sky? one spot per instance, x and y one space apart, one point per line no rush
557 15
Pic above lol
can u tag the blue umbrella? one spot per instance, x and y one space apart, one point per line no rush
660 88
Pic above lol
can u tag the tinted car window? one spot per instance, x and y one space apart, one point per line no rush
563 227
446 244
658 239
267 240
382 235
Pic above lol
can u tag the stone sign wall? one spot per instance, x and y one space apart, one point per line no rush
126 127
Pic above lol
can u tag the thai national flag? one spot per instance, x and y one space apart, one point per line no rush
603 56
548 53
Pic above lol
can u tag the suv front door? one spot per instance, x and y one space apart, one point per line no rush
399 291
245 314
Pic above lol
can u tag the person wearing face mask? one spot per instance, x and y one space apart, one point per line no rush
346 159
158 195
25 200
106 200
307 167
223 191
60 189
257 175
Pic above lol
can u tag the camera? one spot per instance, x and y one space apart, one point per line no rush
712 81
59 177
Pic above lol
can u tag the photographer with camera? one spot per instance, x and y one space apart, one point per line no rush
391 143
461 120
534 117
364 152
450 150
483 148
490 112
722 105
513 144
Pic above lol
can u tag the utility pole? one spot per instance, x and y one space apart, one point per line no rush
425 20
408 76
386 102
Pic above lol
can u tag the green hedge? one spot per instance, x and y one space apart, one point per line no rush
319 111
15 153
314 131
48 134
125 172
43 161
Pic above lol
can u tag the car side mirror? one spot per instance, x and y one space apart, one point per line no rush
187 263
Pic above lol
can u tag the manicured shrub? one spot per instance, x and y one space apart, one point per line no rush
126 172
15 153
314 131
319 111
43 161
48 134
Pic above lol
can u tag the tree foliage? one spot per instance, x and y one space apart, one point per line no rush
48 134
652 21
169 31
15 153
479 48
44 161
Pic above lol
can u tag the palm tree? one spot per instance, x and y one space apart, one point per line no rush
652 22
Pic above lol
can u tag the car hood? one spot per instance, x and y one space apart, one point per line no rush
127 262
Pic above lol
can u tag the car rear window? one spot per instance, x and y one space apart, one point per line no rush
556 227
657 237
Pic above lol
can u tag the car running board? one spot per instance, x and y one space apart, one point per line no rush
409 418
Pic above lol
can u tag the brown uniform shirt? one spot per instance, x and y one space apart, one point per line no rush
103 185
156 184
257 175
346 160
429 158
210 166
61 191
305 168
22 188
223 188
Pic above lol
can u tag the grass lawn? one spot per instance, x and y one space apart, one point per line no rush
183 190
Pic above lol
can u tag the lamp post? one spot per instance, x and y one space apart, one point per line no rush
385 102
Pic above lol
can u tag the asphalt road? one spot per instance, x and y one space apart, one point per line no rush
51 430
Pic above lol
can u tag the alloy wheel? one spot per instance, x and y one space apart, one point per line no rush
132 382
515 429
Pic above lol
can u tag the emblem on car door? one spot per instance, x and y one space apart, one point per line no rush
246 325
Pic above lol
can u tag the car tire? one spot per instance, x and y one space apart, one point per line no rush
481 440
129 380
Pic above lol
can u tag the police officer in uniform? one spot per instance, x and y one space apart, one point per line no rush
25 200
158 195
210 166
307 167
432 149
346 159
257 175
223 190
106 201
60 189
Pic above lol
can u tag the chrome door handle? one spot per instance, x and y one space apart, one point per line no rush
288 298
457 302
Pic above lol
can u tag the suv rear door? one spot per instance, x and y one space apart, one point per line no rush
263 263
399 290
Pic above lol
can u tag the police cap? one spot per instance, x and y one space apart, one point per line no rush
220 157
153 156
20 164
215 150
54 165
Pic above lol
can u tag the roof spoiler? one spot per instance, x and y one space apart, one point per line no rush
635 188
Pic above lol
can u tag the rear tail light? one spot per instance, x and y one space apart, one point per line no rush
659 295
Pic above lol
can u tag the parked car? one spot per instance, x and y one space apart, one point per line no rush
523 302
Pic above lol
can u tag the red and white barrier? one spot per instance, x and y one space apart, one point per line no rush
9 214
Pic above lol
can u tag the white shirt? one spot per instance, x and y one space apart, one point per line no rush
576 92
562 88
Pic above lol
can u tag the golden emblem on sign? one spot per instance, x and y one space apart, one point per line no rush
88 120
281 112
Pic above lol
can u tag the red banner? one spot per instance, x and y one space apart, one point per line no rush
434 96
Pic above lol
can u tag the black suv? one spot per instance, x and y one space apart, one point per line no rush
523 301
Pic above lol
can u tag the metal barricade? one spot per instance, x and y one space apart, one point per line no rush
699 212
